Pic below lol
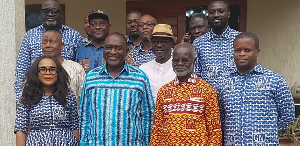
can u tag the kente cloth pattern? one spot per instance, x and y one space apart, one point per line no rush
46 113
213 52
187 114
254 107
31 49
116 111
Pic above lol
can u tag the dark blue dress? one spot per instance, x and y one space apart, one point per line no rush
46 113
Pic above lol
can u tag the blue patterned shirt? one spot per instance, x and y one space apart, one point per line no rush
140 56
116 111
213 52
254 107
89 56
131 46
31 49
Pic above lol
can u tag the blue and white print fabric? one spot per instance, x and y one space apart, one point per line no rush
49 112
213 52
116 111
254 107
140 56
31 49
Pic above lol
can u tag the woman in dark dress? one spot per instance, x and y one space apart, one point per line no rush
47 106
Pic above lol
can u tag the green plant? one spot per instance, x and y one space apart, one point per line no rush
292 132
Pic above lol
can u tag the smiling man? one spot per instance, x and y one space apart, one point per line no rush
159 70
186 110
144 54
116 104
31 47
215 48
90 55
254 102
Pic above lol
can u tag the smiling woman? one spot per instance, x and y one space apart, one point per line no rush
47 105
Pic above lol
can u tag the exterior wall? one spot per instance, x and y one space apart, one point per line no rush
76 10
12 15
276 22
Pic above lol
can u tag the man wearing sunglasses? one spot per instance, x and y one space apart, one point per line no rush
144 54
159 70
31 48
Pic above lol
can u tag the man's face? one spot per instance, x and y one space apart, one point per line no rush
51 13
218 15
131 25
198 27
183 62
245 53
115 51
145 27
52 44
86 25
161 46
99 28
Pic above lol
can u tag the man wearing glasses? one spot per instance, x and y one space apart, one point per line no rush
31 46
144 54
159 70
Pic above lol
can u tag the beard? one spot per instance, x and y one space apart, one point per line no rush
51 23
186 72
220 26
134 35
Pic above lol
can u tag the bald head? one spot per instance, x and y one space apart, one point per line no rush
145 27
52 43
52 2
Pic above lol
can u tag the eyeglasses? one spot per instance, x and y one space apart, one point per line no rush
43 70
162 42
184 60
53 12
148 24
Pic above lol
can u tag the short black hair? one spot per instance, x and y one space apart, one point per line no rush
249 35
198 15
135 11
225 1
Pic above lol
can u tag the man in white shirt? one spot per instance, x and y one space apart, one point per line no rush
159 70
52 46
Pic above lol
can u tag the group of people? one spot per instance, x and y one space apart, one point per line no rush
142 89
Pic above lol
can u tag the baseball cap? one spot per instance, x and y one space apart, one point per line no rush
98 14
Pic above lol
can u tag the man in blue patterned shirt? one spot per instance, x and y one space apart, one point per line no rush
31 46
143 53
116 104
214 49
90 55
254 102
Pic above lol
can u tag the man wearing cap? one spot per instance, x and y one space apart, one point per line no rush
31 47
90 55
159 70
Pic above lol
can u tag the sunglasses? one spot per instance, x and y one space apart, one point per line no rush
53 12
148 24
43 70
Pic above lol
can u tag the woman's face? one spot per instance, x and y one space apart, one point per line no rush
47 72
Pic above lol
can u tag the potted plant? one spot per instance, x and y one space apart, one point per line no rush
291 134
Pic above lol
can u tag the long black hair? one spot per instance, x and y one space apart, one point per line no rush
33 88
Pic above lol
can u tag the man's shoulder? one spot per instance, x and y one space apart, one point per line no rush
135 70
36 30
69 29
271 74
73 64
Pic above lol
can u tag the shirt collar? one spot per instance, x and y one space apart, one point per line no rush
125 68
63 27
257 69
90 43
191 79
225 34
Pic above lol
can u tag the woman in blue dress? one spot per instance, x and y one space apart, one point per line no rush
47 106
